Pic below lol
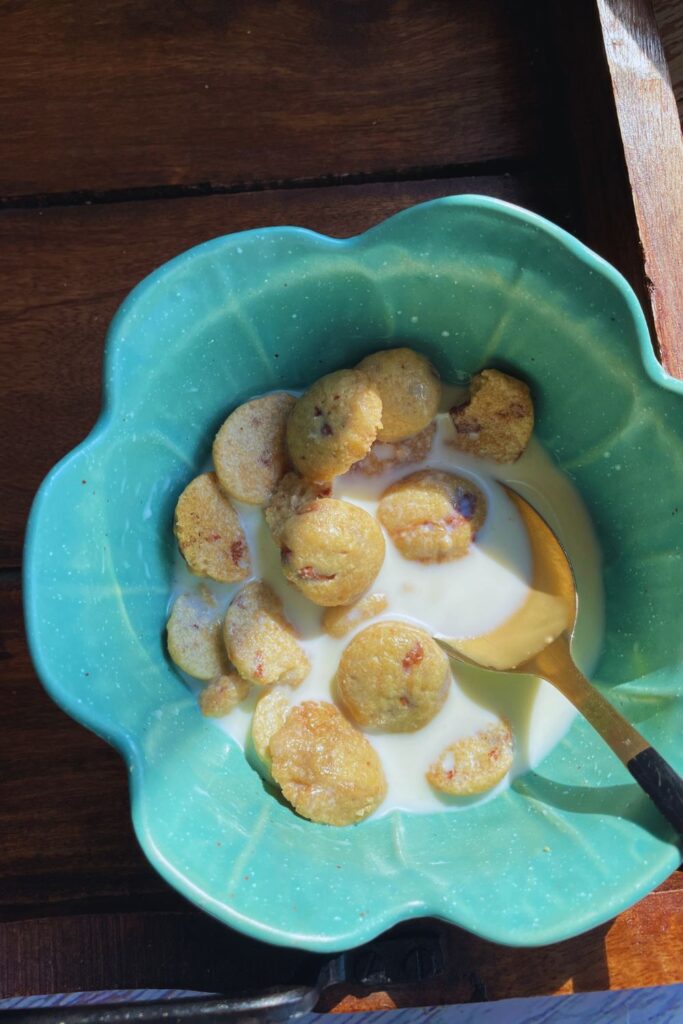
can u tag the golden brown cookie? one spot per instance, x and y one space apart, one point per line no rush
269 715
474 764
209 533
384 456
327 770
496 420
333 425
393 676
250 450
340 621
410 390
194 637
292 494
432 516
260 641
331 551
223 694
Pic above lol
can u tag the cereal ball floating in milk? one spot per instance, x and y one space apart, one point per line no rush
432 516
393 676
474 764
333 425
194 638
260 641
410 390
385 455
340 621
209 532
223 694
250 450
496 420
331 551
293 494
269 715
327 770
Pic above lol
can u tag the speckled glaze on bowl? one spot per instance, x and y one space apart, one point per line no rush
471 282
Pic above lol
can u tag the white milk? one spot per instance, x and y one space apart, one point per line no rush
463 598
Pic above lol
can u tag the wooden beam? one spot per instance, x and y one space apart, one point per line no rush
653 147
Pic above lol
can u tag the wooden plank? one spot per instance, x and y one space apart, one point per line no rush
184 950
607 221
63 272
669 15
64 816
128 94
642 947
653 147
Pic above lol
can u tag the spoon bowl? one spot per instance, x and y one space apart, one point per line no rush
536 641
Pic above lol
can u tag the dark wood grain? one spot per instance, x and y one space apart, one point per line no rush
669 15
64 817
603 198
127 93
653 147
183 949
63 272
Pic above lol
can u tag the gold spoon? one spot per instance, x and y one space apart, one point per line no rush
536 641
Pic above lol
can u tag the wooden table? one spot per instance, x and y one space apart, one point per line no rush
133 129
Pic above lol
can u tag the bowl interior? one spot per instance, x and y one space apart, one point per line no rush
471 283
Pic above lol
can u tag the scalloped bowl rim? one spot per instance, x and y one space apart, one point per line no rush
126 744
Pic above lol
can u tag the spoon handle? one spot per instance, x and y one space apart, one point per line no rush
651 771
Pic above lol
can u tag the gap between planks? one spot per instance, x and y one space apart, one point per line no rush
89 197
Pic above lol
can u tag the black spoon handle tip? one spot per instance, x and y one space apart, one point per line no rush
662 784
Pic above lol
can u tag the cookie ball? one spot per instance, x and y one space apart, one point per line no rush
327 770
194 637
260 641
331 551
409 388
340 621
333 425
292 495
209 532
432 516
474 764
393 676
223 694
269 715
496 420
384 456
250 450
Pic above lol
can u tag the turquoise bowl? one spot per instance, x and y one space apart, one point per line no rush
471 282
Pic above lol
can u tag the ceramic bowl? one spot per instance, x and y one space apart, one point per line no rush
471 282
